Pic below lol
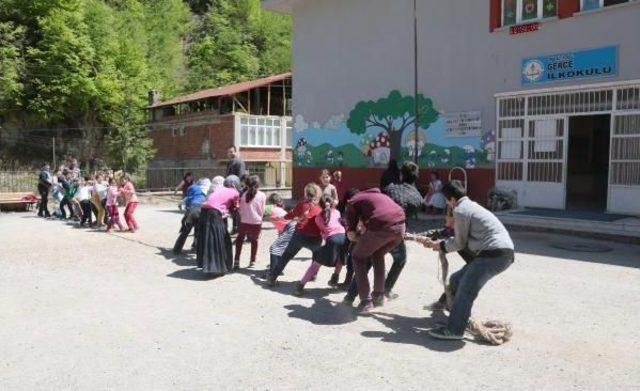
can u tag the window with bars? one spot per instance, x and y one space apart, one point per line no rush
511 107
260 131
628 98
625 151
524 11
576 102
545 154
510 150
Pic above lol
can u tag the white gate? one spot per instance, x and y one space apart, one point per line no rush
624 171
532 142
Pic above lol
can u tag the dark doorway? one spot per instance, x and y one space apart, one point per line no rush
588 162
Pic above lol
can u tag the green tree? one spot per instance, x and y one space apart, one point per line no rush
11 65
236 41
60 66
393 114
167 23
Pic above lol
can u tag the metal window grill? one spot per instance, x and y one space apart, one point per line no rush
511 107
545 157
625 150
576 102
510 150
628 98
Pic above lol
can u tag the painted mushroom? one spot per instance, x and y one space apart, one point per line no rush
381 149
411 141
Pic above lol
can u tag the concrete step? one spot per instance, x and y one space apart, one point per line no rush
622 230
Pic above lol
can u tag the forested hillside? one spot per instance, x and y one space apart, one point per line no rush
81 70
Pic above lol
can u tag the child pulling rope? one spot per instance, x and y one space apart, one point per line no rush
494 332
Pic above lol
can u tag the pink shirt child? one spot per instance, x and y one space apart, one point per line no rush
223 199
252 212
277 218
112 196
129 192
334 227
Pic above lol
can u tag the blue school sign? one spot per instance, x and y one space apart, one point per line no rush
584 64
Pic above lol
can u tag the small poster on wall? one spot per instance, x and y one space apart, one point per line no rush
463 124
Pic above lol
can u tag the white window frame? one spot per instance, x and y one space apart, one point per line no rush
519 13
261 125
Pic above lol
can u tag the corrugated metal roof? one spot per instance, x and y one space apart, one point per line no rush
223 91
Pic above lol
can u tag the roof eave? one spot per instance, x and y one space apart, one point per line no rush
221 91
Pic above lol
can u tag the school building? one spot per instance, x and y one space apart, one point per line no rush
541 97
191 133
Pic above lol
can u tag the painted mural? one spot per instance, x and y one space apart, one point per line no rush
375 132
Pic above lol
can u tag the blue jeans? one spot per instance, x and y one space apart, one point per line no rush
467 282
399 255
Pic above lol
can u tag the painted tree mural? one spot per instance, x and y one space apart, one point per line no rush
392 115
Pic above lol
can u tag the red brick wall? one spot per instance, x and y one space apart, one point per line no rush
481 180
219 132
261 154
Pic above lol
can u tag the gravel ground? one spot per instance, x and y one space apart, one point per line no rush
82 309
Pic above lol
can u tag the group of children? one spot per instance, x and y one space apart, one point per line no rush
318 223
83 198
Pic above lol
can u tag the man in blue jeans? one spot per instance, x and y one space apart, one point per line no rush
480 232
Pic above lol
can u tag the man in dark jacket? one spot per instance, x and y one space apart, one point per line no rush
236 165
44 184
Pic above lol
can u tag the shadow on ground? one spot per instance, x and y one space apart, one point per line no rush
193 274
323 312
185 258
412 331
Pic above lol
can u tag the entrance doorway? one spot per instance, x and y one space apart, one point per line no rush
588 162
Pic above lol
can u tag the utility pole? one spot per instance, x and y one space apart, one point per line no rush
53 143
415 81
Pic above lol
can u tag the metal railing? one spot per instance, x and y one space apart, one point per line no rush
272 175
18 181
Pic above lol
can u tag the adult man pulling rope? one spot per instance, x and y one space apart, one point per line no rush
479 231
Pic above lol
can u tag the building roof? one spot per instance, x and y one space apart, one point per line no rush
282 6
223 91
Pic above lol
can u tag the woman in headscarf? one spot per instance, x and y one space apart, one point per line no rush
216 183
214 252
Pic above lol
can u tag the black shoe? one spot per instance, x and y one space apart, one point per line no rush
236 265
299 290
444 333
272 281
334 280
